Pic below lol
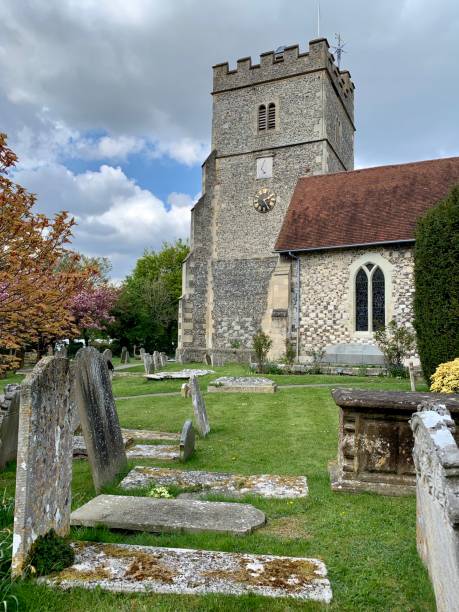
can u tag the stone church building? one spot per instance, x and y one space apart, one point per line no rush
287 237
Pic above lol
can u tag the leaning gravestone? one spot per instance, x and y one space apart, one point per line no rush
44 460
99 420
124 355
9 425
156 361
199 407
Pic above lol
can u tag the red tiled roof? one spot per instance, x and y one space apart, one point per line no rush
364 206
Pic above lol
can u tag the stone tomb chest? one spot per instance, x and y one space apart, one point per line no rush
375 443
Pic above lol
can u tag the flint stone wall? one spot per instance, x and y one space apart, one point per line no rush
375 443
44 460
436 456
98 417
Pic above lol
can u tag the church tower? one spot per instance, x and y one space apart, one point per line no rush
289 116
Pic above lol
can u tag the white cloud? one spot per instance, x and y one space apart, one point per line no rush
115 217
186 151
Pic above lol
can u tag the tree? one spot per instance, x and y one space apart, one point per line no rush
91 308
436 279
147 309
261 345
396 342
34 291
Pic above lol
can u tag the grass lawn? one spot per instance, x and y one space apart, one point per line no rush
368 542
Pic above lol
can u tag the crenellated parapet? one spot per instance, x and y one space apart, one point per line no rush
283 64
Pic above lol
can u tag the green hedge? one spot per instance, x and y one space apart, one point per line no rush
436 272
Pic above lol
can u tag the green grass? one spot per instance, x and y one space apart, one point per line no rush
368 542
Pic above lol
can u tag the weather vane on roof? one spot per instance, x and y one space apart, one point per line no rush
339 49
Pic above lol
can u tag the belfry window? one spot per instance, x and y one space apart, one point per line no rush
271 116
370 298
261 118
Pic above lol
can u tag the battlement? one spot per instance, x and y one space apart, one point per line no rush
286 63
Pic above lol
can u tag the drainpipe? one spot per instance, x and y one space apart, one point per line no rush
297 314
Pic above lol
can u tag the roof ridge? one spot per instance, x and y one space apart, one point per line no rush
370 168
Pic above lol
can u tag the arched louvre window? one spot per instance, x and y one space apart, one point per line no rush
271 116
261 118
370 298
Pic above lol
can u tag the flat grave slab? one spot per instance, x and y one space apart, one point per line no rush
180 375
81 452
154 451
167 515
232 485
125 568
242 384
148 435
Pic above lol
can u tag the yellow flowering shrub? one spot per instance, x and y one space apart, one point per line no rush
446 377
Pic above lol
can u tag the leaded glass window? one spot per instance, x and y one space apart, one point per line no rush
370 298
378 299
361 301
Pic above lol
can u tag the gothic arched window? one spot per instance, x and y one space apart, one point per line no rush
370 298
261 118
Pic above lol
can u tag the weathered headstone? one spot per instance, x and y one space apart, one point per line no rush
412 376
148 363
187 441
107 355
156 361
199 407
163 358
141 353
185 390
44 460
124 355
98 416
436 457
9 426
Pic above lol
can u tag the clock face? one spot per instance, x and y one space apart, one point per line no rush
264 200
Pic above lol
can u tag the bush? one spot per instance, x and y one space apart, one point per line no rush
261 346
290 353
396 342
436 301
49 553
317 356
446 377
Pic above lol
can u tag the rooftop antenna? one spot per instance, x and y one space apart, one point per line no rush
339 49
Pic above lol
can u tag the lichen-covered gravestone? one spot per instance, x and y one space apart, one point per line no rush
199 407
99 420
9 425
156 361
44 461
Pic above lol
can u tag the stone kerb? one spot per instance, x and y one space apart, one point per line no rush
199 407
44 460
9 425
98 416
436 457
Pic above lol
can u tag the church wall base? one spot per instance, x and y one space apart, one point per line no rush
215 357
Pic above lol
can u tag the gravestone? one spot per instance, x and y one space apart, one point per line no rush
187 441
148 363
156 361
199 407
9 425
168 515
99 420
436 457
44 460
163 359
185 390
124 355
412 376
107 355
141 353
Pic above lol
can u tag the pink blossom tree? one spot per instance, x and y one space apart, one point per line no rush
91 308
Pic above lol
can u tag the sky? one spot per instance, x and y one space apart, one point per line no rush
107 102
